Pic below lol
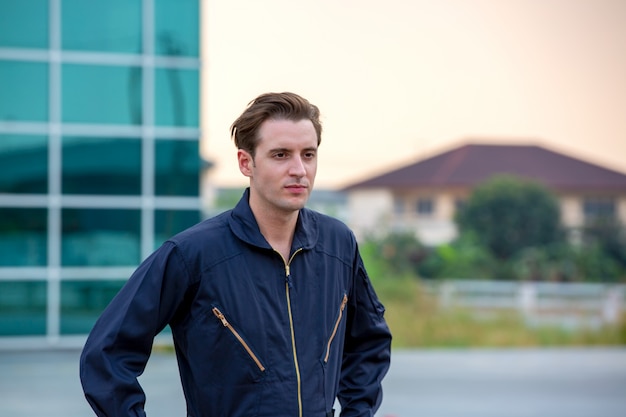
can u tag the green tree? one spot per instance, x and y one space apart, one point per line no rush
610 236
508 214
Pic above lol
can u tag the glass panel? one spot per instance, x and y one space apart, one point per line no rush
169 222
82 303
176 97
24 162
425 206
105 26
23 236
177 30
24 24
101 166
24 91
177 168
398 206
599 208
103 237
22 308
101 94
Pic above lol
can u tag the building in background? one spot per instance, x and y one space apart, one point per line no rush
99 154
423 197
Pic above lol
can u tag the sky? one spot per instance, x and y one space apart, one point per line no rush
398 81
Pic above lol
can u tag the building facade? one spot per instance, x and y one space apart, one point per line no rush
424 197
99 154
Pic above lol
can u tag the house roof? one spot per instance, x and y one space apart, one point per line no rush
471 164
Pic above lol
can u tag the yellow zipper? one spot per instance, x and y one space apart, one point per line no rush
226 324
332 336
293 335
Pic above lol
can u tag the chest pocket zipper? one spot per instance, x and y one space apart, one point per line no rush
226 324
334 333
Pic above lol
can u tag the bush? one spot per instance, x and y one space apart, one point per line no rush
566 263
397 254
507 214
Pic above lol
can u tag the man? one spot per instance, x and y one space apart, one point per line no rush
271 310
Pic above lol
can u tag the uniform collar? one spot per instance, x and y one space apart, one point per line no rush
244 225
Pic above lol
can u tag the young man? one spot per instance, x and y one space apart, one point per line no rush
271 310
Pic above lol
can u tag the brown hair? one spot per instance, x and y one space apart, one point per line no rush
277 106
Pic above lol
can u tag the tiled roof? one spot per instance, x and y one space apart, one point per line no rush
470 164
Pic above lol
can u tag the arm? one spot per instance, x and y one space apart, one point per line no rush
120 342
367 350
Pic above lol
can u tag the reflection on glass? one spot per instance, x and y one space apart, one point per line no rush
24 162
100 237
169 222
104 26
177 168
177 27
23 91
22 308
176 98
101 94
101 166
82 303
23 236
24 24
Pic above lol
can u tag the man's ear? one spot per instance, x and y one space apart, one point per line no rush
245 162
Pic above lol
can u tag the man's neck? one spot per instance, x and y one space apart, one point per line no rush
278 228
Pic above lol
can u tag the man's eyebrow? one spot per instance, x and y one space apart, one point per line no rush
287 150
277 150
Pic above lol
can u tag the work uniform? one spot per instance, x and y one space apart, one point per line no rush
255 334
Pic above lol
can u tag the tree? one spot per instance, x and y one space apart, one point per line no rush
609 236
508 214
402 252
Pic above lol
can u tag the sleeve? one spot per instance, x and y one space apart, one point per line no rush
120 343
367 349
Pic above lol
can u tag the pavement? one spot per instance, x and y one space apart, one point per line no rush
421 383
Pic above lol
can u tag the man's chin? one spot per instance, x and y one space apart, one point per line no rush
294 204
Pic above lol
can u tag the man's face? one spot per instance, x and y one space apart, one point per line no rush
284 166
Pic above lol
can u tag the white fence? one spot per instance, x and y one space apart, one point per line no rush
565 304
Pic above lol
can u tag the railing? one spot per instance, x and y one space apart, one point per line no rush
564 304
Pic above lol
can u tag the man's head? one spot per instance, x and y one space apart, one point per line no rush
272 106
277 137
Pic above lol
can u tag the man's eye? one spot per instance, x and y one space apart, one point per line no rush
279 155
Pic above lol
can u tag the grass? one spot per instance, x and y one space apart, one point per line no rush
416 321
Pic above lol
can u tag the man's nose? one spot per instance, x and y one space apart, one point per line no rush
297 167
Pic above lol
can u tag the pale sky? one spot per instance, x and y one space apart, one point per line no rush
400 80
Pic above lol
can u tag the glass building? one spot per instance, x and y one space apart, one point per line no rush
99 154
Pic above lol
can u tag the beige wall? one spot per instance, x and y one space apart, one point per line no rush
572 211
372 211
369 211
621 210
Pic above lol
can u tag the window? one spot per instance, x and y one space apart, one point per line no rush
176 98
100 237
101 166
425 206
82 303
177 168
23 91
398 206
24 162
101 94
177 27
596 208
23 236
169 222
105 26
22 308
24 24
